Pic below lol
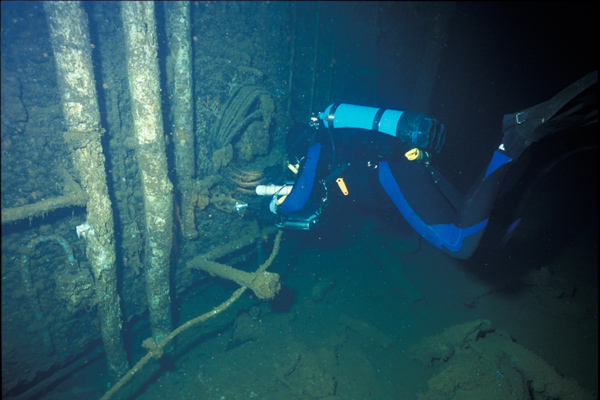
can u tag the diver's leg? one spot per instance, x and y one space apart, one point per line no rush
473 215
460 235
573 107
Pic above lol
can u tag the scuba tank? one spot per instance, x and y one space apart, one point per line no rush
415 129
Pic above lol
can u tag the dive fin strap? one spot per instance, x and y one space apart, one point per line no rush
532 123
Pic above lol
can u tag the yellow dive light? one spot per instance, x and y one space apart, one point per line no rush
416 155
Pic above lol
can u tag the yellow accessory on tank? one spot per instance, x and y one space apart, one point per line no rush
416 155
342 185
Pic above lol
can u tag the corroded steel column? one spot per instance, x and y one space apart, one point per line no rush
70 38
144 85
179 71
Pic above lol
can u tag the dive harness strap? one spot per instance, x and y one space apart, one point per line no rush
533 123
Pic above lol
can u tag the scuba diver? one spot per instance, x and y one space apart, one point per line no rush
380 174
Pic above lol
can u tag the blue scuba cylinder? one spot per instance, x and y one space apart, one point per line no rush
418 130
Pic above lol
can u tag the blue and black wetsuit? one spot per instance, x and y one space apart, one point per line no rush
437 211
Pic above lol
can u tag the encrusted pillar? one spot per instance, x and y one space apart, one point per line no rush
144 85
179 74
70 39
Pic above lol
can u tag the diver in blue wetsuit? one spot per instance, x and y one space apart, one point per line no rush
435 209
